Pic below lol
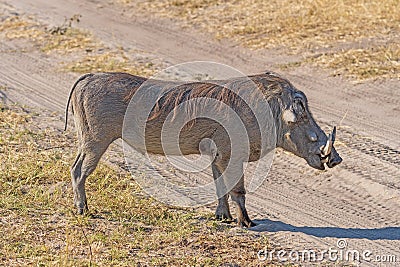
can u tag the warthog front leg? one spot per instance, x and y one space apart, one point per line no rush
222 212
238 197
237 191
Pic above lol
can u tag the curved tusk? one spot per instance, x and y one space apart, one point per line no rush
326 150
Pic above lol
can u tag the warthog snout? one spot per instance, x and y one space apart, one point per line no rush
334 159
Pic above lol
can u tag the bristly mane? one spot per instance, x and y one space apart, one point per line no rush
270 85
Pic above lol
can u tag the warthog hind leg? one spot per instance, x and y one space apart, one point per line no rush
85 163
78 184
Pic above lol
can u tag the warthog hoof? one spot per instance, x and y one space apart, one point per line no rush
246 224
222 213
82 209
224 217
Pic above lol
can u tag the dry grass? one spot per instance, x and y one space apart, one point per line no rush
294 26
72 39
125 228
362 64
290 24
87 53
377 62
14 27
68 41
112 60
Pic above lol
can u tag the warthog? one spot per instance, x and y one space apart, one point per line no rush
99 102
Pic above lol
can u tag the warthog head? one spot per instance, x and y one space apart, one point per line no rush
300 134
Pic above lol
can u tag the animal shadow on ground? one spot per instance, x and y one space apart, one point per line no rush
385 233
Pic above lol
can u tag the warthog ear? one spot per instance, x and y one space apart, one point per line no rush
288 116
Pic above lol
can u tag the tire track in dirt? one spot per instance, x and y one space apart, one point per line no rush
376 149
370 158
375 93
285 205
296 233
320 184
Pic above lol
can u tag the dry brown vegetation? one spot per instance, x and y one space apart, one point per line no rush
125 227
88 54
301 26
378 61
66 40
114 61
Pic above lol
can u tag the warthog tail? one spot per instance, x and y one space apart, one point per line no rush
70 95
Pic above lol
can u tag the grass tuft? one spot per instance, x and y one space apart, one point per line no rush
87 53
378 62
363 64
67 41
111 60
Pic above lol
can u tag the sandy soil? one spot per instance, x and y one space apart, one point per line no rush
300 208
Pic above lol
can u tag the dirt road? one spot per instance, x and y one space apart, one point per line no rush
300 208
